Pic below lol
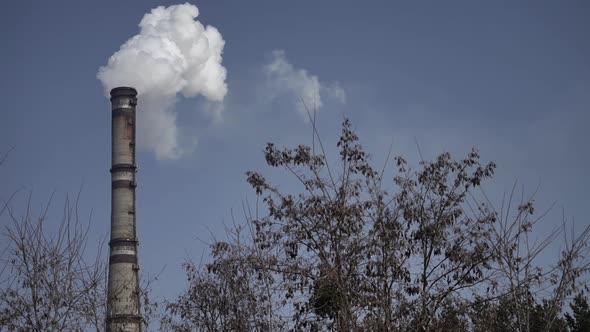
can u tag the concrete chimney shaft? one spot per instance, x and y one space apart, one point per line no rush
123 314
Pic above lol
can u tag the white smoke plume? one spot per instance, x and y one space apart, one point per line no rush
298 83
172 54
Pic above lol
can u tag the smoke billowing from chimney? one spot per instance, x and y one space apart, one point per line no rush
172 54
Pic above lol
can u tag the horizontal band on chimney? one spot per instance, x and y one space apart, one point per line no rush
123 111
119 319
123 168
123 184
123 243
122 258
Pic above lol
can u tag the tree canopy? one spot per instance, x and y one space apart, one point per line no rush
353 251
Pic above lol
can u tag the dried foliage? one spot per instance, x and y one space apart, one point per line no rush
430 253
229 295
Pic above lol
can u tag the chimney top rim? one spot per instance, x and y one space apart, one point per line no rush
123 91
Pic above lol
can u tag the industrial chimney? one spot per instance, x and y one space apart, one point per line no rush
123 284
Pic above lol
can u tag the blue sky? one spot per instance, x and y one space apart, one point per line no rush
511 78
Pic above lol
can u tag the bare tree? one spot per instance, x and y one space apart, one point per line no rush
48 281
524 281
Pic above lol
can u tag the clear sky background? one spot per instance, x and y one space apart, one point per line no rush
511 78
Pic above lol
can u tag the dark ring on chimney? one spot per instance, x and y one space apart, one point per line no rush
123 243
123 184
123 168
123 111
122 258
122 318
